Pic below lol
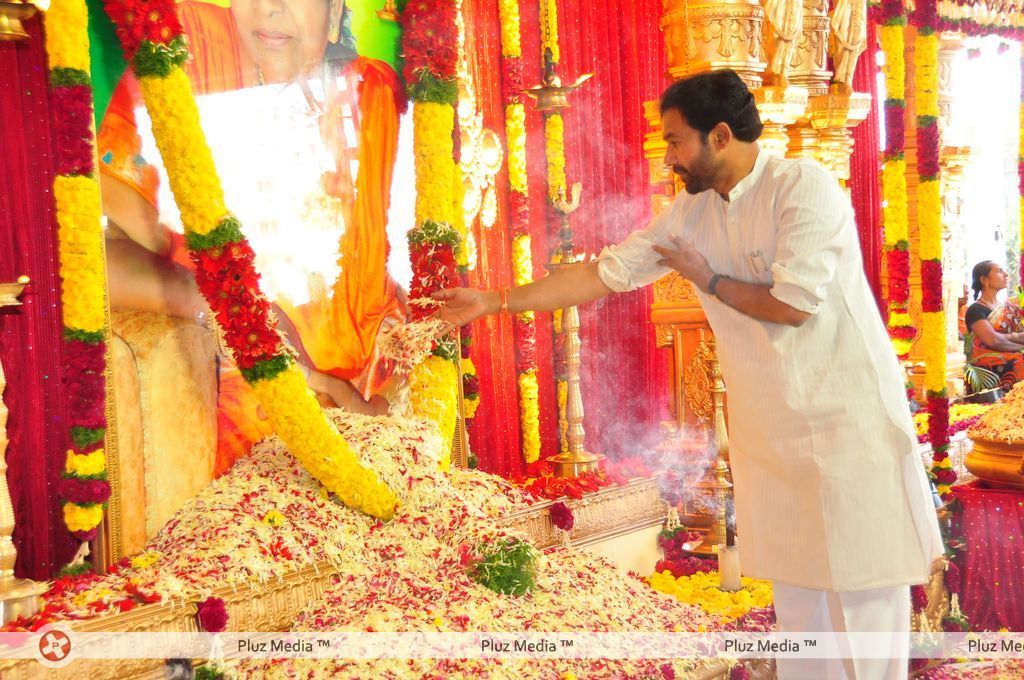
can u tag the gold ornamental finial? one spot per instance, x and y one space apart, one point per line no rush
388 12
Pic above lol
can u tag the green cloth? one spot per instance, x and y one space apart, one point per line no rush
375 38
107 64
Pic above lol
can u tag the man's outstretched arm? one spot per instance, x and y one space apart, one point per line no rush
567 286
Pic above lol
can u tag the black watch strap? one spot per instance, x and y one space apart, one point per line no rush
713 284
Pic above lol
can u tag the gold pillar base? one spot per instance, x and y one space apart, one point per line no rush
571 465
779 108
19 597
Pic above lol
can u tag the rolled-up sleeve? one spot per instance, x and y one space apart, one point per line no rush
813 214
632 263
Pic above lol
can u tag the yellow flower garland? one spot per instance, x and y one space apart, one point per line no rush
433 396
515 132
926 74
894 213
929 212
80 241
891 39
85 465
298 420
529 415
190 168
82 264
522 254
508 12
554 147
933 349
701 589
522 260
82 517
67 44
435 168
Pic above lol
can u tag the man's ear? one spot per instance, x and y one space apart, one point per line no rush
720 135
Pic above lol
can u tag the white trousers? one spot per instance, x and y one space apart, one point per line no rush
799 610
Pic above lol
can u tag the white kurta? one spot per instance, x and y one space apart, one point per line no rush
830 493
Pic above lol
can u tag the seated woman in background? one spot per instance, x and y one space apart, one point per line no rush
993 327
295 44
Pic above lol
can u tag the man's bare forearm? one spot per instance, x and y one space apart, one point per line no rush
757 301
565 287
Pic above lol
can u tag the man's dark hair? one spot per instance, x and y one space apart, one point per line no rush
707 99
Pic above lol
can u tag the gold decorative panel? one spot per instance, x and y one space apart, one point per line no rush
708 36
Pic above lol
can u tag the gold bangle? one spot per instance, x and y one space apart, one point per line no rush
504 301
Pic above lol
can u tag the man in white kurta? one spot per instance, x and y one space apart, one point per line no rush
832 502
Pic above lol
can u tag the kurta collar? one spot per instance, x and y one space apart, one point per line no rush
751 179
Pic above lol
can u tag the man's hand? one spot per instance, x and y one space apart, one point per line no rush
464 305
686 260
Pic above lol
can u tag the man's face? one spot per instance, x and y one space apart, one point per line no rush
689 156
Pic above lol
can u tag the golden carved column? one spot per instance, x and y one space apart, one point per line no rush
809 68
708 36
825 132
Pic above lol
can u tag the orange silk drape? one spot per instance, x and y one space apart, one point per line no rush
339 333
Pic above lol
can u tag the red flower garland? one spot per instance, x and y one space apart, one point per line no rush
429 39
434 268
928 151
931 285
159 23
75 152
898 265
226 275
895 129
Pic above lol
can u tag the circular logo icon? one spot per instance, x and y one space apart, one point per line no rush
54 646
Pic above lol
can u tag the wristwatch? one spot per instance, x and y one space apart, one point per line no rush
713 284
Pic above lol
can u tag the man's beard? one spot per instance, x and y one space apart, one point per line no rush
694 184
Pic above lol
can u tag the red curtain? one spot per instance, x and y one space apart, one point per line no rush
494 432
624 376
865 168
992 525
30 335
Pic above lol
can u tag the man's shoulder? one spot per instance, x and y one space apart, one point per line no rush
796 169
800 177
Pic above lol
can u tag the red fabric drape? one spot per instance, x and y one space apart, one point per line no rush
865 168
30 335
992 565
624 375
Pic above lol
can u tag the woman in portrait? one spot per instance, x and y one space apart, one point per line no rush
322 253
